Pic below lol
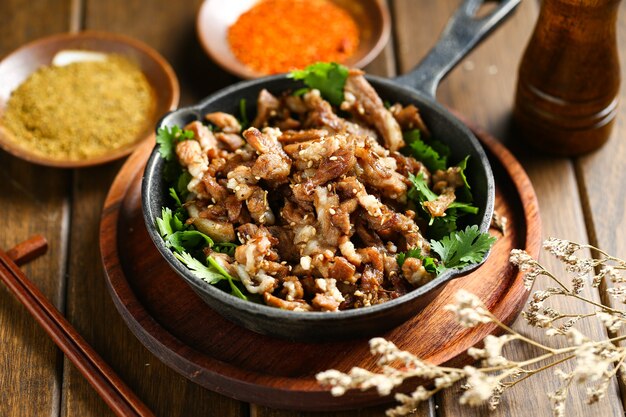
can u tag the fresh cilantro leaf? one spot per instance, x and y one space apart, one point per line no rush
438 226
430 265
420 190
425 153
440 147
464 193
443 226
463 166
211 273
225 247
187 240
243 114
234 289
198 269
174 195
301 91
462 248
168 223
411 253
464 207
167 138
181 184
328 77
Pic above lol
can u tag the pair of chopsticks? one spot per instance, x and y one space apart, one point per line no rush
98 373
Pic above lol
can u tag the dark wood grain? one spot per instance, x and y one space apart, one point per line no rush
32 200
170 28
174 323
602 183
28 250
98 373
482 88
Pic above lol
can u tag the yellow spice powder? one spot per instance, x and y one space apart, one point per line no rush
80 111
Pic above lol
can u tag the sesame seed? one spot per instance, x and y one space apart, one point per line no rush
309 164
354 190
257 178
333 158
332 211
292 224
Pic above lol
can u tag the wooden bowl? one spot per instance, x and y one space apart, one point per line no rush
20 64
215 17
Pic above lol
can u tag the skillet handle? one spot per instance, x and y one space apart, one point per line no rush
462 33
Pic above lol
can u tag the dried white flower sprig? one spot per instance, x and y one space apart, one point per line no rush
596 361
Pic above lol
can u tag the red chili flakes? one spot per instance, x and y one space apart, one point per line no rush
277 36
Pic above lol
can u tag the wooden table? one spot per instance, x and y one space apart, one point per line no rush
581 199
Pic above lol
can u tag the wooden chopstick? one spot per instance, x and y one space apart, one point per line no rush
98 373
28 250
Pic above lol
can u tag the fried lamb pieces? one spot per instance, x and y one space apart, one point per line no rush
316 202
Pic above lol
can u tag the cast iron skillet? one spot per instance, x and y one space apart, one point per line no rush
462 33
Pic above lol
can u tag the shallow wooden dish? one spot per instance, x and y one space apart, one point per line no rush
182 331
215 16
18 65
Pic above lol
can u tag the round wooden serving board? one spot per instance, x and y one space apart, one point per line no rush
173 323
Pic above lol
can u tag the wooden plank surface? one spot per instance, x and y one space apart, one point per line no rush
602 183
169 29
482 88
32 200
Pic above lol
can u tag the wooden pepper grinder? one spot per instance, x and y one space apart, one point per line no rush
569 77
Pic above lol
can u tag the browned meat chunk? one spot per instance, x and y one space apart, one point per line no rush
227 123
362 100
232 140
409 118
438 207
291 136
450 178
203 135
295 305
414 272
273 163
267 107
339 163
381 174
258 207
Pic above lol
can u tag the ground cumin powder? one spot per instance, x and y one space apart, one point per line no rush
281 35
80 111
